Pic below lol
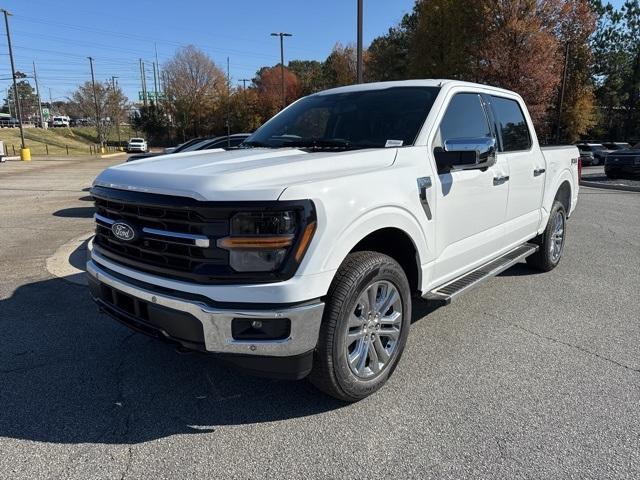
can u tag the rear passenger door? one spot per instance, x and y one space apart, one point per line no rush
526 168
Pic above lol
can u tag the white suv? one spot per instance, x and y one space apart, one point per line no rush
137 145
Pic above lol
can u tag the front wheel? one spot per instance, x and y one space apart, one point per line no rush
551 241
364 328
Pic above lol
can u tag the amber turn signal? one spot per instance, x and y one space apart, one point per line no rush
276 242
305 241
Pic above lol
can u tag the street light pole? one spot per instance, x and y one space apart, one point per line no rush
360 76
95 100
16 100
282 92
115 98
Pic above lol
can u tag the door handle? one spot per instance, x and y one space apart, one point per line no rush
538 171
500 179
423 184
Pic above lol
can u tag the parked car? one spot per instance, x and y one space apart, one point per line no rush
199 144
592 153
137 145
9 122
613 146
60 121
298 253
623 163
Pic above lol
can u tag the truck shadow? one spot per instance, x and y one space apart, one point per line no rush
72 375
75 212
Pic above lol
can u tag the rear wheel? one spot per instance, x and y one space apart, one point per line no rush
365 327
551 241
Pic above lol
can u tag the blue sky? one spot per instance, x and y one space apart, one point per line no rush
59 35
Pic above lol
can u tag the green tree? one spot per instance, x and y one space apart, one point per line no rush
310 75
616 46
388 55
446 39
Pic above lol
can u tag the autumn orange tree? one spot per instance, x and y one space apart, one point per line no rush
268 83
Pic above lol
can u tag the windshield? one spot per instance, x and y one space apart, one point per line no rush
390 117
136 140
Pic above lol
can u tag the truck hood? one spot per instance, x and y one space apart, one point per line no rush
245 174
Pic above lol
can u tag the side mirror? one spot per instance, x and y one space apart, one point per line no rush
466 153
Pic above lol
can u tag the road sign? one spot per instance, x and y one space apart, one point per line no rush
46 114
151 96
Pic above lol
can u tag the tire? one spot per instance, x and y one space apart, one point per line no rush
551 241
374 343
595 162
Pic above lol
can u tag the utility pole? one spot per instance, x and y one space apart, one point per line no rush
144 84
95 100
282 35
228 105
35 77
155 46
244 82
115 97
25 154
155 84
359 45
564 81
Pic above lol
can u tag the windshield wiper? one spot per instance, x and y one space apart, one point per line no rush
322 144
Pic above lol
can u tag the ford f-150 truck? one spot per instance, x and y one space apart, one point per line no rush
298 254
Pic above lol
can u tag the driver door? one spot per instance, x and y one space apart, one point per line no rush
471 205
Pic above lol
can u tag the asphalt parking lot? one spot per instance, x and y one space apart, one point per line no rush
528 376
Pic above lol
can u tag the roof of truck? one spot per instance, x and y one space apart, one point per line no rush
410 83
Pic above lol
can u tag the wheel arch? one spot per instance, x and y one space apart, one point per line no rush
393 232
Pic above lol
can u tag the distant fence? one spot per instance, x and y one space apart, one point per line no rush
63 149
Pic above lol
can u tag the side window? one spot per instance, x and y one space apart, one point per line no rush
465 118
512 125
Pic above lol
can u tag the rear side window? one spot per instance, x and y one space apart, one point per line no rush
513 127
465 118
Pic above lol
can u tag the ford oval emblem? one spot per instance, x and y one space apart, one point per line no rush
123 231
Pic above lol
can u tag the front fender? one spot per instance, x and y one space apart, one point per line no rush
370 222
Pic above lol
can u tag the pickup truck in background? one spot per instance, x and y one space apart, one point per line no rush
298 254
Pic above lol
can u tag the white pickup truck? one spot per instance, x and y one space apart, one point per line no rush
299 252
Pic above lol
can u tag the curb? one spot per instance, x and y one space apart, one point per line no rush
604 186
67 263
109 155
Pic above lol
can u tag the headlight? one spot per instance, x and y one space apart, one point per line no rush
262 241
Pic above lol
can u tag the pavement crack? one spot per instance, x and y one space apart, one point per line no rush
576 347
128 463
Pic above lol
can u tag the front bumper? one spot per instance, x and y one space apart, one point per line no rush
199 326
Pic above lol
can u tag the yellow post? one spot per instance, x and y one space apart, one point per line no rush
102 150
25 154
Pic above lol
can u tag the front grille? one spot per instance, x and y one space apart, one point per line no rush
173 256
177 235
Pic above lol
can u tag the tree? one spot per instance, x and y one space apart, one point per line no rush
445 38
154 122
576 24
340 66
245 108
195 91
27 97
520 52
616 46
388 55
268 82
310 75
